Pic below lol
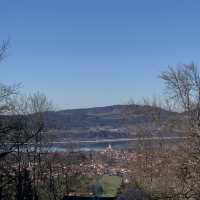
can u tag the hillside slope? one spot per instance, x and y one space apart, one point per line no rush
105 122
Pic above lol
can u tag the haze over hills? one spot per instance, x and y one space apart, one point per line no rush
110 122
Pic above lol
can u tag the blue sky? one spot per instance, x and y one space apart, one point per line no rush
84 53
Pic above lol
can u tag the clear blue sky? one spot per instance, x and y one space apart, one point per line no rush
84 53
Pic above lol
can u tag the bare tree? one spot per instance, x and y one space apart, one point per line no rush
23 162
30 109
21 134
183 88
22 128
181 169
152 171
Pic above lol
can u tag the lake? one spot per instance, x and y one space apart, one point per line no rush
99 145
122 143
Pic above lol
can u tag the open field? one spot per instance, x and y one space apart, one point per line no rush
110 185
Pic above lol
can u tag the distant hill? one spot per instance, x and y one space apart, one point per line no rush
108 122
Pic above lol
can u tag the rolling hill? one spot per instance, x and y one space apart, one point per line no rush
110 122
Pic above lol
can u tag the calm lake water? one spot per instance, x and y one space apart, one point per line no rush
123 143
99 145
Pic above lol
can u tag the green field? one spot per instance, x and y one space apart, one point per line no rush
110 185
103 186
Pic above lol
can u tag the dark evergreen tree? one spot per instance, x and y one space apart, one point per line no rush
27 186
